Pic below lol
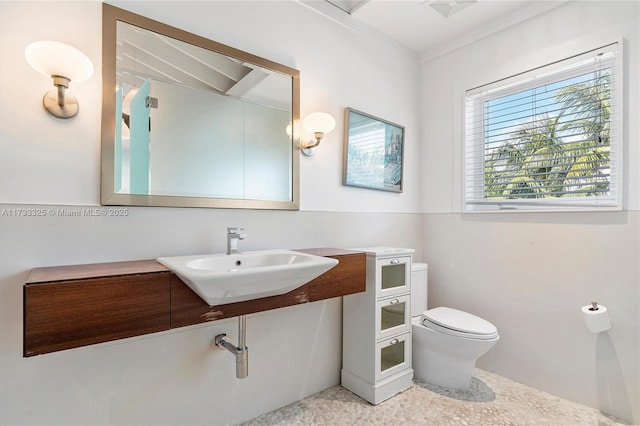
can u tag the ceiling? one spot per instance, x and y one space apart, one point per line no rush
423 27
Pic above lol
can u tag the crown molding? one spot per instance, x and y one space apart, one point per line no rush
496 26
344 19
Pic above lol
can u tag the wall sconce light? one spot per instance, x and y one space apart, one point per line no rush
63 63
317 123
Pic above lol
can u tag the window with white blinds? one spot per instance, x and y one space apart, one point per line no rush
547 138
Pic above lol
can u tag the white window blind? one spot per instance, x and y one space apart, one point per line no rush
547 138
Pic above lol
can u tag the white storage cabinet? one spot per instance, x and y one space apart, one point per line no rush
376 351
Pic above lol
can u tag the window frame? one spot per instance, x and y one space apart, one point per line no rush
473 142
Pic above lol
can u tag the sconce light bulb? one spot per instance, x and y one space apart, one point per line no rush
53 58
63 63
319 122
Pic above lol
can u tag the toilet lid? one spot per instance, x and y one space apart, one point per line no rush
458 323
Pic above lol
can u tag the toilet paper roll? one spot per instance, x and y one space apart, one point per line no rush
597 320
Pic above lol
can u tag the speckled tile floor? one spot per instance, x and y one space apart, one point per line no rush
491 400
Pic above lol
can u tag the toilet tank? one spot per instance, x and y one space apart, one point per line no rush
419 288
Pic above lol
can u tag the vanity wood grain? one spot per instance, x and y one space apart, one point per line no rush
71 306
350 277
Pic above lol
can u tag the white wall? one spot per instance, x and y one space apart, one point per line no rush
177 377
529 273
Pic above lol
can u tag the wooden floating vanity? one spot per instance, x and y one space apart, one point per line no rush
71 306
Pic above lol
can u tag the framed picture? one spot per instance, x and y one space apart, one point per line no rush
372 152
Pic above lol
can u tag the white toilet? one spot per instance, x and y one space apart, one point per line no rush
446 342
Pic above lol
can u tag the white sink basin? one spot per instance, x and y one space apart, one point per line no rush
223 278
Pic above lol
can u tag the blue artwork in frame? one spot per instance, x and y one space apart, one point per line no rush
373 152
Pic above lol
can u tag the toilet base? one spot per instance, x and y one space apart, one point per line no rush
444 360
442 372
381 390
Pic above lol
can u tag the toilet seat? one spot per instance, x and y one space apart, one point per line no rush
458 323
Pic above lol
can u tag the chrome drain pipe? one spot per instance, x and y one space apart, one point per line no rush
241 352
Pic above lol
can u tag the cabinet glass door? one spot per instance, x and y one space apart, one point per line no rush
394 276
393 316
393 355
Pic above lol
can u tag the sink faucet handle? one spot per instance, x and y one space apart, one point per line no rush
234 234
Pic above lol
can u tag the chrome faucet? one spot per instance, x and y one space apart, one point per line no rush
233 235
